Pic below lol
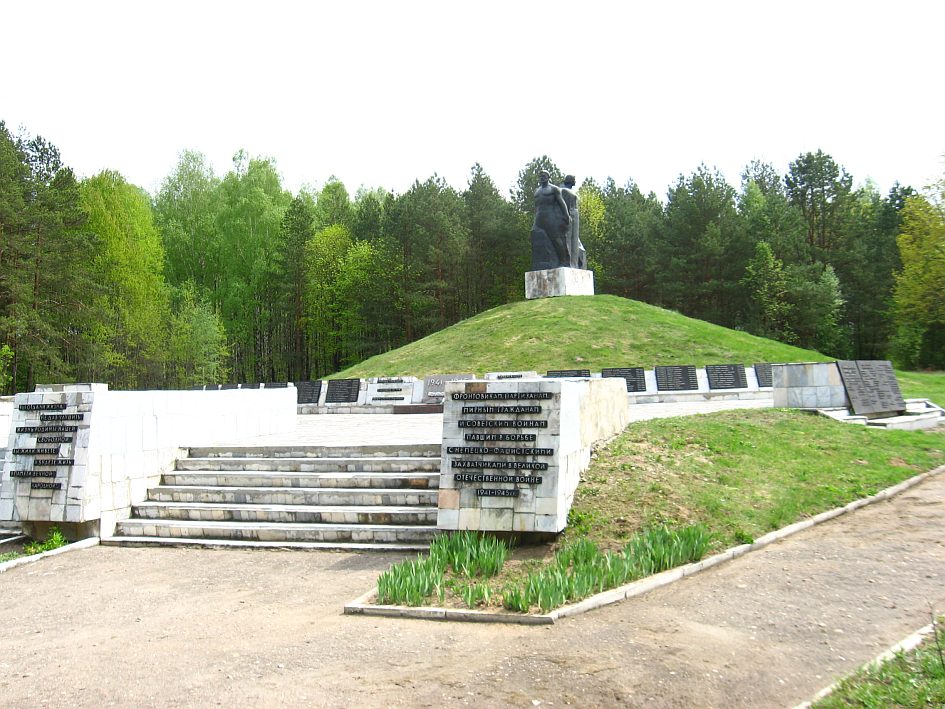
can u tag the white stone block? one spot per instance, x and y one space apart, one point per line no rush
552 282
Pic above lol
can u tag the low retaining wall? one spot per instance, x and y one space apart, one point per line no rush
80 455
513 451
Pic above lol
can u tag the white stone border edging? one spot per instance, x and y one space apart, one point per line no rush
75 546
910 643
361 605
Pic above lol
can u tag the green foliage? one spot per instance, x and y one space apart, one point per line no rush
469 554
133 308
919 295
581 569
197 350
767 283
6 358
410 582
54 540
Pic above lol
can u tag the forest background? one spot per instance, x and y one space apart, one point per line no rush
235 279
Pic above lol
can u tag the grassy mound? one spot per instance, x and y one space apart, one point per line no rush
576 333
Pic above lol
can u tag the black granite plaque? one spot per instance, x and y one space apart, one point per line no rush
677 378
61 417
556 373
276 385
46 486
726 376
47 429
42 407
634 376
763 374
54 439
390 380
35 451
871 386
229 386
342 391
32 473
511 376
308 392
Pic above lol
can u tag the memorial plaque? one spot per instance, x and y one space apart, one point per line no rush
677 378
871 386
46 486
342 391
308 392
726 376
42 407
556 373
634 376
763 374
434 386
390 380
275 385
229 386
61 417
511 376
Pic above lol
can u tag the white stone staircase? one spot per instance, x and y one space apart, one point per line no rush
304 497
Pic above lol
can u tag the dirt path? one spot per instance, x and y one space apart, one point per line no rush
174 628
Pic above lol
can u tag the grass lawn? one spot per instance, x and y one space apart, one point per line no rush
913 679
923 385
741 473
576 333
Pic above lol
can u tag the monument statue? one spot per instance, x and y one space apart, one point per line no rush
551 231
575 247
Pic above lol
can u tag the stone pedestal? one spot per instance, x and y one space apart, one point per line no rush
551 282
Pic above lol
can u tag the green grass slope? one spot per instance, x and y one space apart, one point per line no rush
579 332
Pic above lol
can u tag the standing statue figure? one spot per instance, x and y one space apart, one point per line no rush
575 247
551 230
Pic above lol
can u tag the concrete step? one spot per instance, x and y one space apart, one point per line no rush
290 514
404 450
909 422
235 544
293 495
278 532
368 480
400 464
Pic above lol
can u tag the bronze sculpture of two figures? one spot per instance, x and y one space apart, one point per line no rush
556 241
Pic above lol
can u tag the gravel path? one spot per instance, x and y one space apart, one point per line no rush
190 628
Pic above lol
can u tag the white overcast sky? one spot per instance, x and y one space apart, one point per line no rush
382 93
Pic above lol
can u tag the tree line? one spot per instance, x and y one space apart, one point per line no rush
235 278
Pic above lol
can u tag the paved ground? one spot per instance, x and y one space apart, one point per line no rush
350 429
191 628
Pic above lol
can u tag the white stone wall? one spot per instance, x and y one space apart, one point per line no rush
128 439
577 415
808 385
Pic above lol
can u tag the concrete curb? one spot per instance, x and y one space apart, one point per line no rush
903 646
637 588
23 560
